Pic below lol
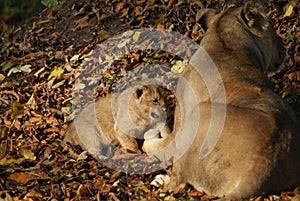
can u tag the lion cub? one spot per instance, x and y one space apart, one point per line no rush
119 119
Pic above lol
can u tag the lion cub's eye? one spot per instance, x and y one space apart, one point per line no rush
155 101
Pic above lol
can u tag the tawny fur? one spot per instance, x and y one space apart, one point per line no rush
259 148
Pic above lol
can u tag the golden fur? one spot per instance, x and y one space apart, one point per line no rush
105 124
259 147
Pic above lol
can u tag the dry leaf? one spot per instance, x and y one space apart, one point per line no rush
7 66
59 84
5 161
119 6
33 194
108 57
75 58
3 150
294 76
179 66
39 71
3 132
84 190
82 156
28 154
16 109
32 102
13 71
195 193
289 12
137 10
57 72
123 43
125 12
26 68
2 77
136 36
79 86
103 35
23 178
81 23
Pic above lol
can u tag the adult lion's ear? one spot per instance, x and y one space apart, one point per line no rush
255 18
205 17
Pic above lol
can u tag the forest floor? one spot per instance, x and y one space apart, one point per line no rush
39 62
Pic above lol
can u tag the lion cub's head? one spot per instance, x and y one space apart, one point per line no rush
148 102
245 32
147 109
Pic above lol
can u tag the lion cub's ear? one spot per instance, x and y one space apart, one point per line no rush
141 92
255 18
205 17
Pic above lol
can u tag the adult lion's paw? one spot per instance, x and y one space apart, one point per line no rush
161 181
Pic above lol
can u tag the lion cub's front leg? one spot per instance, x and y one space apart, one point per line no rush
157 140
128 142
151 136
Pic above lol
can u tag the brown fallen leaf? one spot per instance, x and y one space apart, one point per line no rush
103 35
33 194
3 132
137 10
43 22
11 93
194 193
27 153
294 76
32 102
55 35
3 150
52 130
85 190
23 178
289 12
125 12
81 23
287 195
113 196
119 6
32 56
40 30
16 109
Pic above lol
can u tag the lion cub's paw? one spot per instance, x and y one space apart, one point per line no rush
152 134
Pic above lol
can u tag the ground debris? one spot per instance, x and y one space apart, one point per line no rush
39 62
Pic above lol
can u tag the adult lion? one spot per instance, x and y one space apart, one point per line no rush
259 147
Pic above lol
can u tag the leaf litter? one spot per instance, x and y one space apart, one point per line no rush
39 62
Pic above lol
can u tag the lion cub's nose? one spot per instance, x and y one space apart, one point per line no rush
154 115
158 114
